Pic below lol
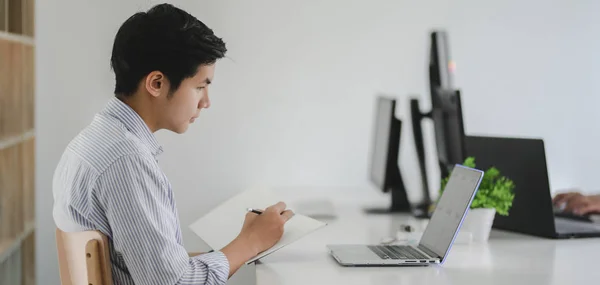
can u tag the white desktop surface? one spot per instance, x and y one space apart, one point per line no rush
507 258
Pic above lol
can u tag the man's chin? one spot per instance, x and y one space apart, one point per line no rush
180 129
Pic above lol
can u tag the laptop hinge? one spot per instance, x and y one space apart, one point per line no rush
428 252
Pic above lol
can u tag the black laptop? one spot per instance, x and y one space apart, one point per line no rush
524 162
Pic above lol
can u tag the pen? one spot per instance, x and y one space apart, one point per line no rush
258 212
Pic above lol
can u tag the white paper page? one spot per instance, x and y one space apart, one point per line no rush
221 225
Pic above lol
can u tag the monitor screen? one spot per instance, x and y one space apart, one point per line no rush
381 138
448 125
440 65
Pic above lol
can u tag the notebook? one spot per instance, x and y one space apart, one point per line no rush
223 224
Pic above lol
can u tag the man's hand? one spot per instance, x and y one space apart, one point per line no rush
259 233
577 203
266 229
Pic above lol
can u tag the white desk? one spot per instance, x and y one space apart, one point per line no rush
506 259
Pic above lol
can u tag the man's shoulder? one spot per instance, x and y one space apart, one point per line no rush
104 142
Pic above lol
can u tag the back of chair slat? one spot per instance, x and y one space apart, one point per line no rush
83 258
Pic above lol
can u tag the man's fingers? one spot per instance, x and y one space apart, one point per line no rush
589 209
575 202
564 197
568 199
286 215
279 207
558 198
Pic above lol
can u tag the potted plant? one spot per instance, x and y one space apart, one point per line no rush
495 195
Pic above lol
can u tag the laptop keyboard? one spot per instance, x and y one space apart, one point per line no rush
571 216
397 252
570 226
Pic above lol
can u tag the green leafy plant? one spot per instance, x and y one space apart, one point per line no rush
495 190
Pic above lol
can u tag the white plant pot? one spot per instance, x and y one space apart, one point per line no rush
479 223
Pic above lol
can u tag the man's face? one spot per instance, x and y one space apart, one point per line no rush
185 104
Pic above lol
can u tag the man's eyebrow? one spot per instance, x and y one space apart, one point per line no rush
208 81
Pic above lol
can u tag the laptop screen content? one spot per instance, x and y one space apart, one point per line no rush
451 209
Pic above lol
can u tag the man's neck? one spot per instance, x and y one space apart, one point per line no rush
143 108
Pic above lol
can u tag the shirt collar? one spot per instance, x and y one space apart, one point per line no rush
133 122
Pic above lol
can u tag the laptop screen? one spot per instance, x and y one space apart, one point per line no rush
451 210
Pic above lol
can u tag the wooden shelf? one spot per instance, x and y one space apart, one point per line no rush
7 247
28 260
14 140
16 89
17 142
26 40
3 15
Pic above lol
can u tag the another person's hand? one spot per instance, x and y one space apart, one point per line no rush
577 203
264 230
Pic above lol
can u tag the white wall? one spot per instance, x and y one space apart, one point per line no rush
293 103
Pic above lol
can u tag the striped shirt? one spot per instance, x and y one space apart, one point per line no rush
108 179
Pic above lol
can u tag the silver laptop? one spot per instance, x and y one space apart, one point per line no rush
439 234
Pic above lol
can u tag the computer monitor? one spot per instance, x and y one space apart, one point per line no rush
446 112
449 129
441 66
446 109
385 145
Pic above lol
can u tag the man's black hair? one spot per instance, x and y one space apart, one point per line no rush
165 39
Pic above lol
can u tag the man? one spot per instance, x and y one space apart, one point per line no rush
577 203
108 178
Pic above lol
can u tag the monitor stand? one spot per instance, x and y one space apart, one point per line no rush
417 117
400 203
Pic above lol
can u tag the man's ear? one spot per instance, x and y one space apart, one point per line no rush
156 83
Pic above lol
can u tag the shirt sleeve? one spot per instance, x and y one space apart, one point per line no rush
144 226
